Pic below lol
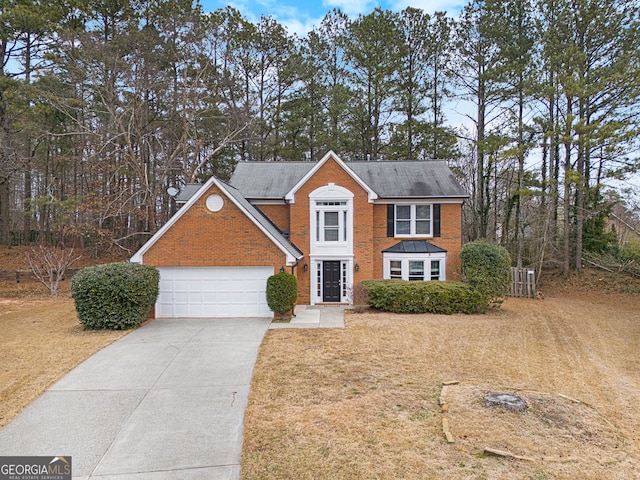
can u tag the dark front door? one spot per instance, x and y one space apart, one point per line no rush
331 281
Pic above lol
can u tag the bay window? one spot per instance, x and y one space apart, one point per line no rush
395 269
416 267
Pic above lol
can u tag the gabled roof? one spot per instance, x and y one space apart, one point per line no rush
290 196
266 225
390 179
415 246
291 252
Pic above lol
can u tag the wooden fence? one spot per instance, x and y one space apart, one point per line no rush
523 283
23 275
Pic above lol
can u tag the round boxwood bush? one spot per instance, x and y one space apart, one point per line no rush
400 296
282 292
115 296
486 266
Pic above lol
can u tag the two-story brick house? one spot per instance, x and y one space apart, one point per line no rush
330 223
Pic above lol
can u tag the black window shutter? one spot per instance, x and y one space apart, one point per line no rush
390 221
436 219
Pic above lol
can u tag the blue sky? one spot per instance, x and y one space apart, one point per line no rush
300 16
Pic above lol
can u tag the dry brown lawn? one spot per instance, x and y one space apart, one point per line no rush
41 337
362 403
41 341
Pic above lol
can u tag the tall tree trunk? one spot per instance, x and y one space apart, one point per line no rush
521 147
5 217
554 164
580 208
5 168
566 260
27 193
481 201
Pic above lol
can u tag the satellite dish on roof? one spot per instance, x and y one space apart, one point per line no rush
172 191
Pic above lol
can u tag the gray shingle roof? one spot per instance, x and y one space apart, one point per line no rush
273 180
425 179
268 179
415 246
188 191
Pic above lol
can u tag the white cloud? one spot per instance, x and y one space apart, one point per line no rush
295 21
239 5
352 8
452 7
301 18
299 26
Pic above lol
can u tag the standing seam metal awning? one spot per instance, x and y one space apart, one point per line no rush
414 246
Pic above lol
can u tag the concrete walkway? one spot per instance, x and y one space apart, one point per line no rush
315 316
165 402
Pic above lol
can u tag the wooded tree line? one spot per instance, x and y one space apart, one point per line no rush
104 104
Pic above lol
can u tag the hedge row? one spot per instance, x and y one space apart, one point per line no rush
115 296
399 296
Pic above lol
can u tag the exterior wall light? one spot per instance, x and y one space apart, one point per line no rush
356 267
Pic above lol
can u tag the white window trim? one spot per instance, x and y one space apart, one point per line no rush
327 199
316 280
343 222
412 221
406 258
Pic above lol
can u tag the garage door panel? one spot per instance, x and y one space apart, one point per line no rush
213 292
209 298
178 310
163 310
196 298
195 310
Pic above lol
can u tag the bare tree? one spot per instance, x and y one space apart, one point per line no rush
49 264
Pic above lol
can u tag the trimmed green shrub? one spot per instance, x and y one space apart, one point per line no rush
486 267
282 292
115 296
400 296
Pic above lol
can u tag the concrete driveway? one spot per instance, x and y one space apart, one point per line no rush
165 402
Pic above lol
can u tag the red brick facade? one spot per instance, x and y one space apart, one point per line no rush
204 238
450 237
229 237
278 214
332 172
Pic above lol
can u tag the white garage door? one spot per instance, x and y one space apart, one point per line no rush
213 292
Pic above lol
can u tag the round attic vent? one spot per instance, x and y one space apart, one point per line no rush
214 203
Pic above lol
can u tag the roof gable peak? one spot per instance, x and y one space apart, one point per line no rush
234 196
331 155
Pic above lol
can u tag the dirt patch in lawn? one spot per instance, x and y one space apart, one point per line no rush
553 428
41 341
363 402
